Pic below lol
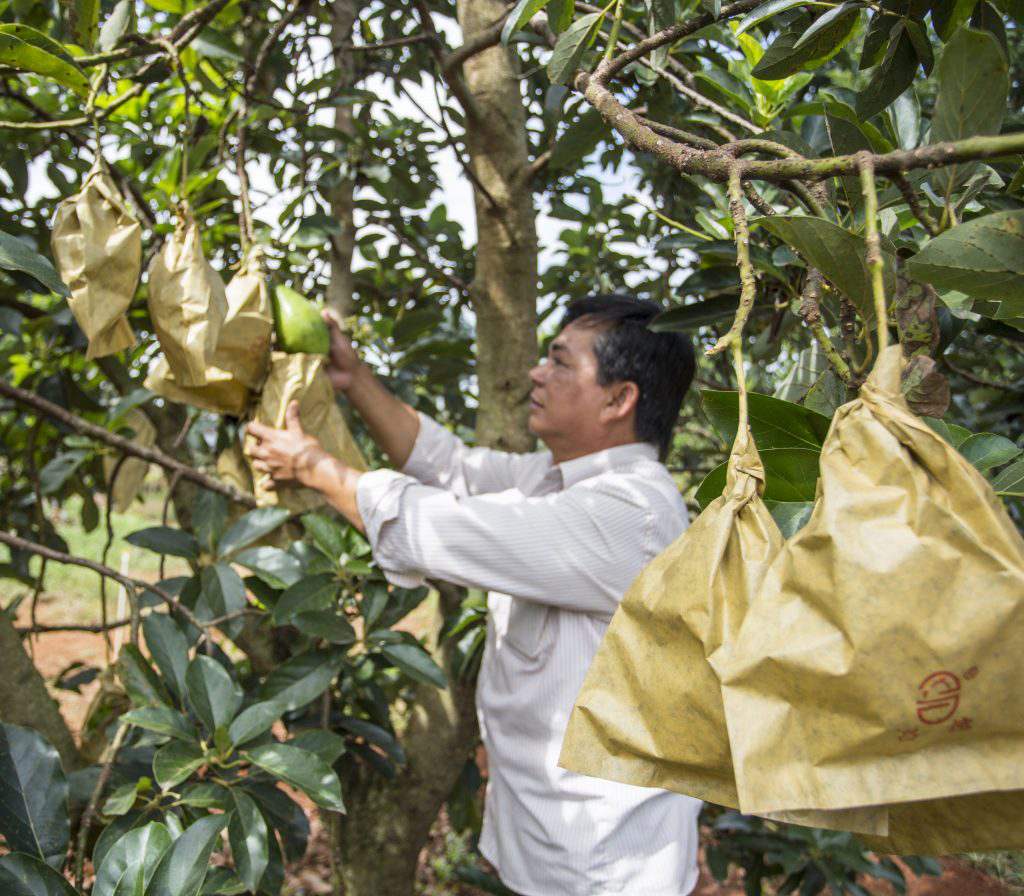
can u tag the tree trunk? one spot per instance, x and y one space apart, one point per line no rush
25 701
504 288
341 198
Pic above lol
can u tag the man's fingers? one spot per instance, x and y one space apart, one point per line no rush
262 466
258 430
291 417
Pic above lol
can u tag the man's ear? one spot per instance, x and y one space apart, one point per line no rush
621 402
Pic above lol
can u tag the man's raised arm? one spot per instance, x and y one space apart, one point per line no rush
393 424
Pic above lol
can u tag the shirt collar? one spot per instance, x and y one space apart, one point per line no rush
580 468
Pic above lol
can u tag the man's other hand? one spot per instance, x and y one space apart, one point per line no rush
286 454
343 361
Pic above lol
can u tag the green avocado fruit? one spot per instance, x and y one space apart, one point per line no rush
300 328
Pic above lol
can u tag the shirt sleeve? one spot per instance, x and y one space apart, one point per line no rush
442 459
577 549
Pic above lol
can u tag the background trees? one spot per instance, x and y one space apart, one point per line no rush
598 145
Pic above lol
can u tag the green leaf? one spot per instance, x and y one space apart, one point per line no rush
166 540
905 118
174 762
700 314
304 770
774 423
302 679
139 680
327 534
784 58
116 25
249 528
375 735
891 77
712 6
15 255
987 450
326 744
1010 481
572 43
791 475
949 15
59 470
213 696
824 21
983 258
790 516
129 865
184 865
955 435
579 140
121 800
520 16
974 85
330 625
206 796
277 568
85 16
169 648
415 662
560 13
253 721
248 835
33 795
765 11
221 591
38 39
209 519
24 875
162 720
837 253
26 57
317 592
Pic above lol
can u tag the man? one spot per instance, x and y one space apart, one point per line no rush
556 537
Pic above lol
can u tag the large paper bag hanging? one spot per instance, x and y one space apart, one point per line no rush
650 710
97 244
300 377
881 663
130 471
242 354
187 303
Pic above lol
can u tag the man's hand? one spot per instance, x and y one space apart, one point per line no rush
343 360
286 454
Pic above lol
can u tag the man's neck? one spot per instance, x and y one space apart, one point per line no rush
560 453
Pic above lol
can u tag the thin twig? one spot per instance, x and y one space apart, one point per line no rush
810 311
109 756
873 256
748 285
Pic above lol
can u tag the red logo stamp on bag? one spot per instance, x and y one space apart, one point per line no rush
938 697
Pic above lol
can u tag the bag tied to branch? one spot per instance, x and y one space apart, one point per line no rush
650 711
187 303
243 349
97 244
301 378
131 471
880 664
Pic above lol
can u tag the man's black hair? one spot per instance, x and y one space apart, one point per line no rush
661 364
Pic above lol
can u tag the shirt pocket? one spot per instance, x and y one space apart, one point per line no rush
527 625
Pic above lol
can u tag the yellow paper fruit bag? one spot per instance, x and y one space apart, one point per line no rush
650 710
187 303
131 471
242 354
301 378
97 244
881 663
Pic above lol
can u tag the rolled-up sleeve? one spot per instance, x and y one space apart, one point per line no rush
577 549
442 459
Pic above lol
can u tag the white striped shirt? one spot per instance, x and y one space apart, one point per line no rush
556 545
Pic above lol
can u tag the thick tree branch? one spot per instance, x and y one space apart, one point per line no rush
153 455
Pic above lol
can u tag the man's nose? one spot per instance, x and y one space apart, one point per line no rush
537 374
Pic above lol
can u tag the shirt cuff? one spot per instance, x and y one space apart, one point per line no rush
379 498
428 451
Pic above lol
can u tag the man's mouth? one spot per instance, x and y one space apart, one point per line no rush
534 403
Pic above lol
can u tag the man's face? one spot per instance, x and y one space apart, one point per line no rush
566 401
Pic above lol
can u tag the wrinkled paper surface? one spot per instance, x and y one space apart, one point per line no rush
297 377
650 711
242 354
97 244
881 663
187 303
